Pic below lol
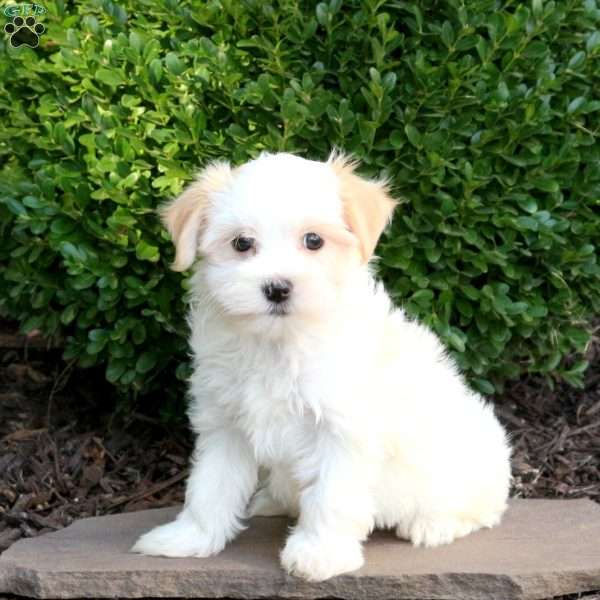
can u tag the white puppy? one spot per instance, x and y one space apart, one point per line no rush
303 366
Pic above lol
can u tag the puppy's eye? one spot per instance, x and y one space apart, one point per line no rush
313 241
242 244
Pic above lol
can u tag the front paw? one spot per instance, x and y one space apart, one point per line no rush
178 539
317 558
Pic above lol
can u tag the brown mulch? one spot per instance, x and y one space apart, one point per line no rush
555 435
67 453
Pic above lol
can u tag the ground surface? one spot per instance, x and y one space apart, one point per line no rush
543 548
65 454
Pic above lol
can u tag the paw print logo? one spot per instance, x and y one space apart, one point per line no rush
24 32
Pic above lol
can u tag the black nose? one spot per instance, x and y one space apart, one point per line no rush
278 291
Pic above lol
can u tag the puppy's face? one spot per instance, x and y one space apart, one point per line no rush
280 236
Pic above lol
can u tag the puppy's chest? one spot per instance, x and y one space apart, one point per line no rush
270 396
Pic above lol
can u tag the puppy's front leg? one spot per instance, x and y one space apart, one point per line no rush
336 511
223 477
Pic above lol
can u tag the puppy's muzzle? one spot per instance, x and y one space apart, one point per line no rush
277 291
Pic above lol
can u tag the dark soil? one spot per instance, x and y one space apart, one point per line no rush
555 435
66 453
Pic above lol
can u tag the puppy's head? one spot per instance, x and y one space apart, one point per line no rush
281 237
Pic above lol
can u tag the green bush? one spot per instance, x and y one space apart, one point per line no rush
483 113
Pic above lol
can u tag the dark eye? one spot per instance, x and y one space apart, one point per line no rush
242 244
313 241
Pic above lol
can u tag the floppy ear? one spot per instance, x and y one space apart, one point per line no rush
367 205
185 217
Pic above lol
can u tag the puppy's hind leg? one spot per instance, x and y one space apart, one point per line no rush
435 530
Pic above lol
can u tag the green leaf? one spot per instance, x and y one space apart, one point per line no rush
484 386
322 13
397 139
145 251
422 297
139 334
575 104
97 335
128 377
174 64
537 310
73 252
33 323
32 202
183 372
456 339
578 337
62 226
528 223
593 41
413 135
111 77
115 369
516 308
94 348
464 308
68 314
470 292
145 362
546 184
528 204
15 207
447 34
155 70
577 60
433 254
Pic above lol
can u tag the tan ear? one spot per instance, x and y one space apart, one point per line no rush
185 217
367 205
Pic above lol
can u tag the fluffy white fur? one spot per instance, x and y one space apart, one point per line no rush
355 416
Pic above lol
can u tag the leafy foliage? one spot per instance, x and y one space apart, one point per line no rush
484 114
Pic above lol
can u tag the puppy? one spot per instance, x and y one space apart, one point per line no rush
304 368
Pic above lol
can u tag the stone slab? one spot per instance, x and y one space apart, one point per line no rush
543 548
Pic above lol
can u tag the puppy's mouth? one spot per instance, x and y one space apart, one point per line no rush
278 310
